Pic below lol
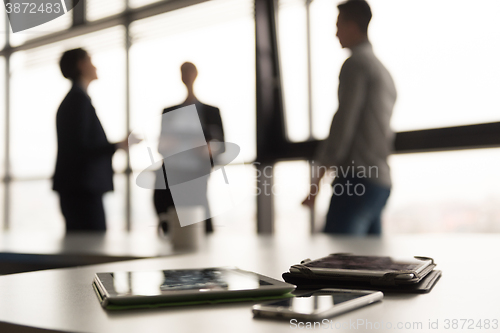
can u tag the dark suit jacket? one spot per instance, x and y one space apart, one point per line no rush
211 121
211 124
84 152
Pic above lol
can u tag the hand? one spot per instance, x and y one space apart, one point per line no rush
122 145
133 139
309 201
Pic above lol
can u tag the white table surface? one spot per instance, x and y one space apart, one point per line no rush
63 299
111 244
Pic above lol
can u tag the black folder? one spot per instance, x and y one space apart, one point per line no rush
422 282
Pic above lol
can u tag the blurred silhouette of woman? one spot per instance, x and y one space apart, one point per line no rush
83 170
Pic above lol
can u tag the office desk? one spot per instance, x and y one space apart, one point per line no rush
63 299
22 252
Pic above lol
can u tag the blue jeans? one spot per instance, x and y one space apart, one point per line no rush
356 207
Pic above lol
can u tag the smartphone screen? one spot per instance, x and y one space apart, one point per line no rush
309 303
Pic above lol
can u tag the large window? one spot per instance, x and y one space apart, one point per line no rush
445 192
37 88
292 39
326 57
442 55
432 192
2 117
139 3
291 216
34 207
218 36
97 9
2 131
61 23
444 58
3 29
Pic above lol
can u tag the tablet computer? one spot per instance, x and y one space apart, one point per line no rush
364 266
183 285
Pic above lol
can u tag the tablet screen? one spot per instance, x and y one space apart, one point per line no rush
151 283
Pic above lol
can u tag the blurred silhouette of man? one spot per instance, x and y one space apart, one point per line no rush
211 123
83 170
360 138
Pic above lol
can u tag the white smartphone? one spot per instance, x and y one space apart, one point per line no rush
320 304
